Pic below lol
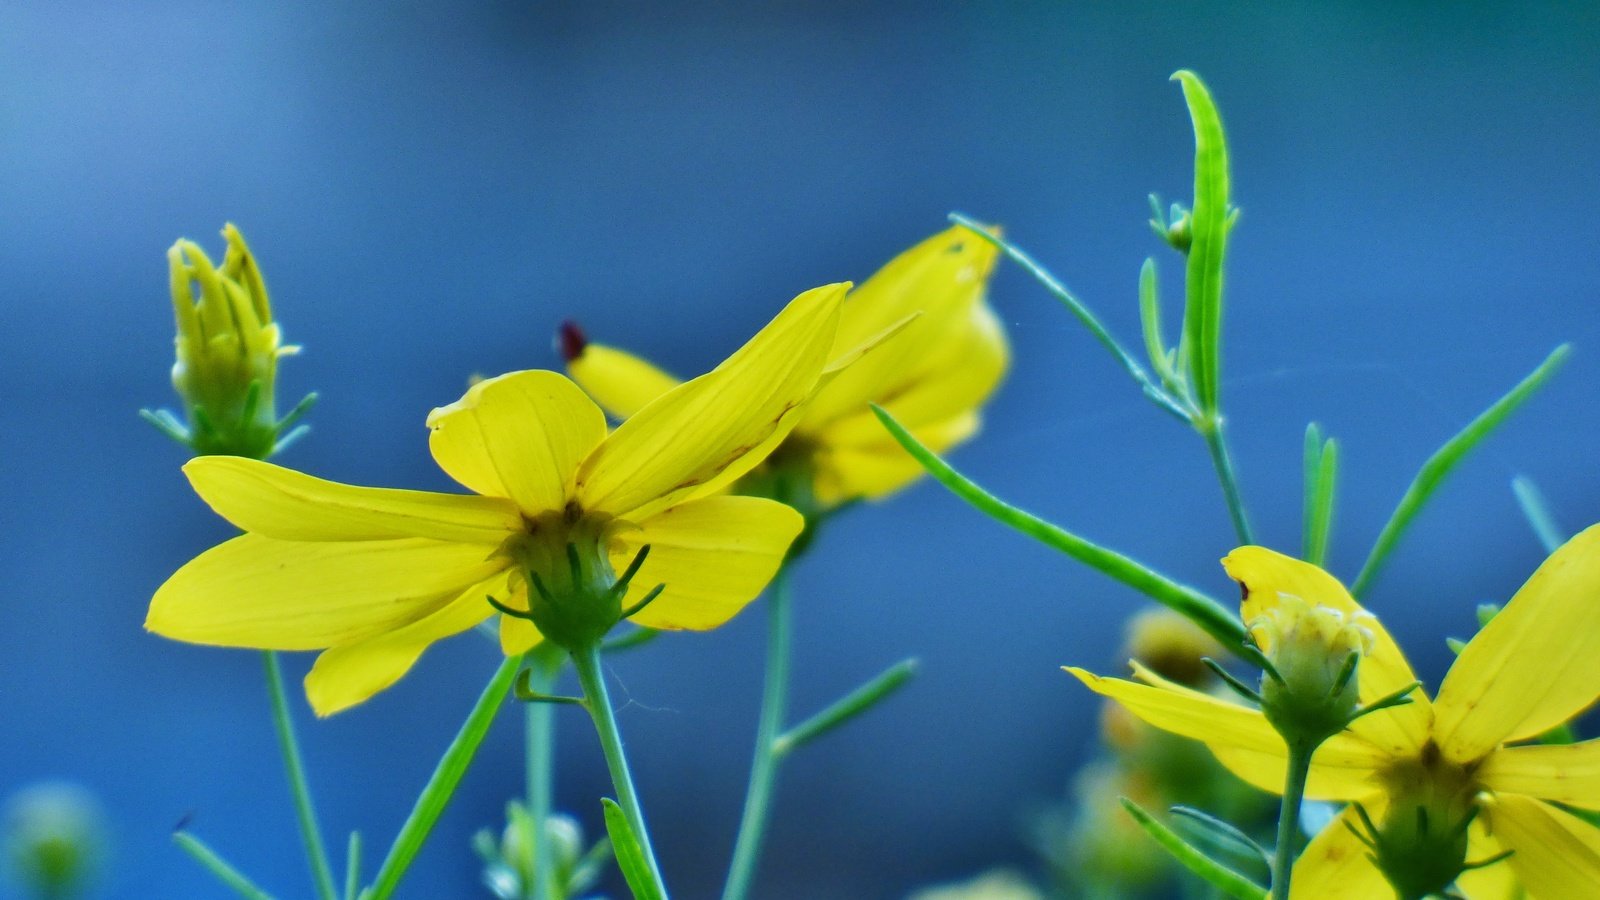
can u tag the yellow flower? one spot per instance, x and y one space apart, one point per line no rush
228 349
933 376
1444 781
372 576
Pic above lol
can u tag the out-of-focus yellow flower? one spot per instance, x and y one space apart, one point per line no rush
933 376
999 884
1444 783
228 347
372 576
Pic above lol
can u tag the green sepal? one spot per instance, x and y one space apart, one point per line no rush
630 855
1199 608
1210 871
1239 851
1537 511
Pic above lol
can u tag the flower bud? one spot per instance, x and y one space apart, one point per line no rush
54 840
1172 646
1310 691
228 347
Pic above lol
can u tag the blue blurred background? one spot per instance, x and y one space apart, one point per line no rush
431 187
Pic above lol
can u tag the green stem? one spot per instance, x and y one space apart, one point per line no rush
305 812
539 733
764 768
1211 430
442 785
596 699
1294 789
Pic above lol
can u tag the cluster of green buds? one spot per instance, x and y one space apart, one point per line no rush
1310 654
228 347
571 868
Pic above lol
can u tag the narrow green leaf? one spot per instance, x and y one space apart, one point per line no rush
1444 461
1218 838
1077 308
1204 611
847 707
1209 222
1321 480
1155 345
216 865
352 866
442 784
1537 511
630 855
1207 869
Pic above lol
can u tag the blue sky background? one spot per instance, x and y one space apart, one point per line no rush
431 187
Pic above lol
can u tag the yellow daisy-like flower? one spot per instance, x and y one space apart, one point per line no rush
933 376
372 576
1443 777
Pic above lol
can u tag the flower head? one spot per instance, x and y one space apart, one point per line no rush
228 347
933 375
372 576
1437 786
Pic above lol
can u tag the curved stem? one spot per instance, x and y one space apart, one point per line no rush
764 768
539 734
1294 789
442 785
597 700
1223 463
294 767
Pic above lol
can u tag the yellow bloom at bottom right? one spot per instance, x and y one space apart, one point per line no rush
1449 765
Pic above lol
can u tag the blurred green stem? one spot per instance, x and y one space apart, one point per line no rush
597 700
764 768
305 812
544 663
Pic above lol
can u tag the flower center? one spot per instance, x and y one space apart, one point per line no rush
1422 844
573 595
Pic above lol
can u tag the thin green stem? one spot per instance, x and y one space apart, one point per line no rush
764 767
442 785
539 734
597 700
1294 789
1223 463
294 767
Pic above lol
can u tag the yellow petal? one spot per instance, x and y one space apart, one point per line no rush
706 432
258 592
877 467
281 503
954 377
351 673
521 435
714 555
1240 737
1555 854
1535 665
939 280
619 381
1564 773
1336 865
1492 882
1263 574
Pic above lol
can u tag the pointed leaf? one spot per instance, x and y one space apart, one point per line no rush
630 855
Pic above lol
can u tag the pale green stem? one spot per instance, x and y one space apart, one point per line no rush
597 700
1294 789
539 734
442 785
219 867
764 767
1223 462
305 812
